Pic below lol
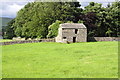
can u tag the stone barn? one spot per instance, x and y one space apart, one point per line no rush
72 32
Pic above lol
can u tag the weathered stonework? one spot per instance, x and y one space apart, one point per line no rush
103 39
64 40
72 32
26 41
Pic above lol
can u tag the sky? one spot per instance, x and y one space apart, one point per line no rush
9 8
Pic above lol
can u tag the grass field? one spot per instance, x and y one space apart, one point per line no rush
57 60
5 40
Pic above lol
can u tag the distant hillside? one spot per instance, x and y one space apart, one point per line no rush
5 20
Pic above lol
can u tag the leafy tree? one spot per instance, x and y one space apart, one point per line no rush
33 20
53 29
101 21
91 17
109 32
112 22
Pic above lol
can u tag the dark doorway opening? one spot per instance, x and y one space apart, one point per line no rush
64 37
74 39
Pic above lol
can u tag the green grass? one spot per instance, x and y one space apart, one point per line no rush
5 40
57 60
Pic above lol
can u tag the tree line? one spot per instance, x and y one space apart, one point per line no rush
42 19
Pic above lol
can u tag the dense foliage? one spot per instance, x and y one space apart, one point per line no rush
33 20
53 29
102 21
36 18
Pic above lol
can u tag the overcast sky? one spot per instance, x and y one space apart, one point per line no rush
9 8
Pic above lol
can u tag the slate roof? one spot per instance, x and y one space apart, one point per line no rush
72 25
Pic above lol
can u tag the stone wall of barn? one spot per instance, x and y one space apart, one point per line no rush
67 34
82 35
59 37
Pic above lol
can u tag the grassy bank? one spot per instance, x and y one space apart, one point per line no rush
5 40
57 60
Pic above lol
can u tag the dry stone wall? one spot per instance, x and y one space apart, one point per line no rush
27 41
103 39
91 39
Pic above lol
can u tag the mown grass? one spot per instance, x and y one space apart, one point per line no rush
57 60
5 40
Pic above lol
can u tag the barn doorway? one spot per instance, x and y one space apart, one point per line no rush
74 39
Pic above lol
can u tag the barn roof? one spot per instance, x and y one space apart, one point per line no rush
72 25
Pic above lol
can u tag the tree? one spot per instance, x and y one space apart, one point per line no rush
101 21
53 29
112 22
89 20
33 20
92 17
